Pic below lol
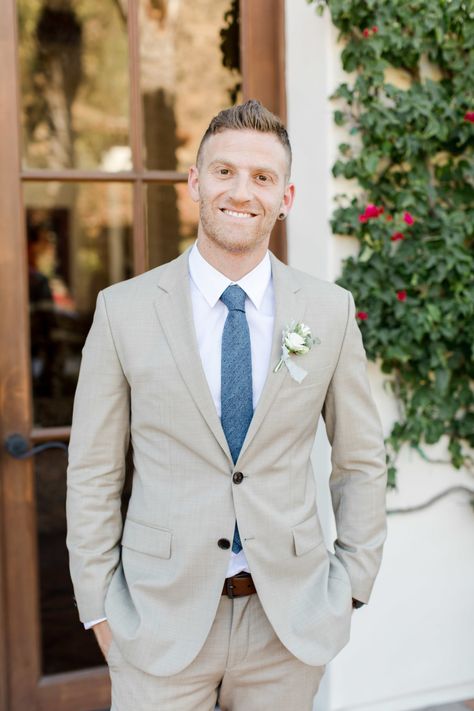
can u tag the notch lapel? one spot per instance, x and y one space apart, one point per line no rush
289 306
174 310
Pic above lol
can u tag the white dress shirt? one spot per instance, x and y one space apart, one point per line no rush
206 285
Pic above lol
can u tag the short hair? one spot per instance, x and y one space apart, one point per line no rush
250 116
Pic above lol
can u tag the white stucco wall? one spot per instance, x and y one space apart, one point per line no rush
413 645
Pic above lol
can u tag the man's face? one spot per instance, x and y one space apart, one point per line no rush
241 186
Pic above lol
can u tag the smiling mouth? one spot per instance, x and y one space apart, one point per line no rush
240 215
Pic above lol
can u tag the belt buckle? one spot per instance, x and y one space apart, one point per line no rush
229 588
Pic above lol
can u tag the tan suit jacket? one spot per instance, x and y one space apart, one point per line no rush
158 578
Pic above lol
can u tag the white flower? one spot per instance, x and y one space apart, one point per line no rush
296 343
296 340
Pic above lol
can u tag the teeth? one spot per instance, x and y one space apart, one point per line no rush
237 214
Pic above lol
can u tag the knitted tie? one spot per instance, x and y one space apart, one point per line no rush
236 378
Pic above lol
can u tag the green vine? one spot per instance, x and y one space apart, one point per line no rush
409 116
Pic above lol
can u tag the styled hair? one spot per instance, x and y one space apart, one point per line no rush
251 115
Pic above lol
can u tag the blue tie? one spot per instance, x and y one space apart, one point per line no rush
236 378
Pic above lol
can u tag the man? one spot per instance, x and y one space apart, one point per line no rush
219 584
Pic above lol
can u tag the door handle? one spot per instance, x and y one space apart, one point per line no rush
17 447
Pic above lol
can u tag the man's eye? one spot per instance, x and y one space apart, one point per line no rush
262 178
223 171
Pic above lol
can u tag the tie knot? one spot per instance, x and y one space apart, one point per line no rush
234 298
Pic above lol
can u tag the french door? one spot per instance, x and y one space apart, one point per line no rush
102 105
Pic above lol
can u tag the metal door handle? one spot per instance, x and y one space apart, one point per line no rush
17 447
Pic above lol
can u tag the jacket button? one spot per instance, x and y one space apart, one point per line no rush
223 543
237 478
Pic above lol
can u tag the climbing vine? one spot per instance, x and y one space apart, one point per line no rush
408 113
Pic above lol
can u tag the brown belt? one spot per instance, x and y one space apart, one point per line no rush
239 585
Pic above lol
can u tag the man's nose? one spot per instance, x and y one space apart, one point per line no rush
240 189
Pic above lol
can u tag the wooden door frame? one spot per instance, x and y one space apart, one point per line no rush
19 564
21 683
262 51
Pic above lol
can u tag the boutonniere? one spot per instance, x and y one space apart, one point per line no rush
296 340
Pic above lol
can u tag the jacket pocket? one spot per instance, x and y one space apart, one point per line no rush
307 535
147 539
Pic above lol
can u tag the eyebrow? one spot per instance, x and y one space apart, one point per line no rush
260 169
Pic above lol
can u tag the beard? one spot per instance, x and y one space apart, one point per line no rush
235 238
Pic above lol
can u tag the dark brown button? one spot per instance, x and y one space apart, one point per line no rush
223 543
237 478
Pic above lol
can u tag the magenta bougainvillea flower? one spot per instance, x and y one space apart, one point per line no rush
371 211
397 236
408 218
370 31
469 116
401 295
362 315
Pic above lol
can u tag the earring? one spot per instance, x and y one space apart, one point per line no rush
281 216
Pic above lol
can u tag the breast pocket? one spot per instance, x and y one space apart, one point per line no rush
315 378
150 540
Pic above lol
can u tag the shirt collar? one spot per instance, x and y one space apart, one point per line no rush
211 283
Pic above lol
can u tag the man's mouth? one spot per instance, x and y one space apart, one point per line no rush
235 213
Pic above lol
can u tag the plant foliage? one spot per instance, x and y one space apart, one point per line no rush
409 115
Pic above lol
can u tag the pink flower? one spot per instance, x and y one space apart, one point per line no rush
469 116
372 210
408 218
397 236
366 32
362 315
401 295
375 29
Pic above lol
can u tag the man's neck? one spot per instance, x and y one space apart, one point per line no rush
233 266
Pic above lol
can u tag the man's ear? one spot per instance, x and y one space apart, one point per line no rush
288 198
193 183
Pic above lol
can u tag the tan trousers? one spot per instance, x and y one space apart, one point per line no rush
243 666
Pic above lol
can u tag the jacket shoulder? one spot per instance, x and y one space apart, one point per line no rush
140 286
320 289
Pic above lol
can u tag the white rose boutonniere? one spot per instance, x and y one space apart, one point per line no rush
296 340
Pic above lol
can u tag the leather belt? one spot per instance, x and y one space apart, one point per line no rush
239 585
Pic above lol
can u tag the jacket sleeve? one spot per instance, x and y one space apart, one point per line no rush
358 478
96 470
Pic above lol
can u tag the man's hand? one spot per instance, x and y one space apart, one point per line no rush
103 635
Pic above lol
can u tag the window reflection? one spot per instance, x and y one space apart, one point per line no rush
65 644
189 59
171 219
79 241
74 82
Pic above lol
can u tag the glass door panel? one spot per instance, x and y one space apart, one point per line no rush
65 644
190 70
74 84
79 241
171 221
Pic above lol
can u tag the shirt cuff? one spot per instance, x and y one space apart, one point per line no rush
88 625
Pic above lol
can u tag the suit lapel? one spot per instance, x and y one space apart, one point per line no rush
289 306
174 310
